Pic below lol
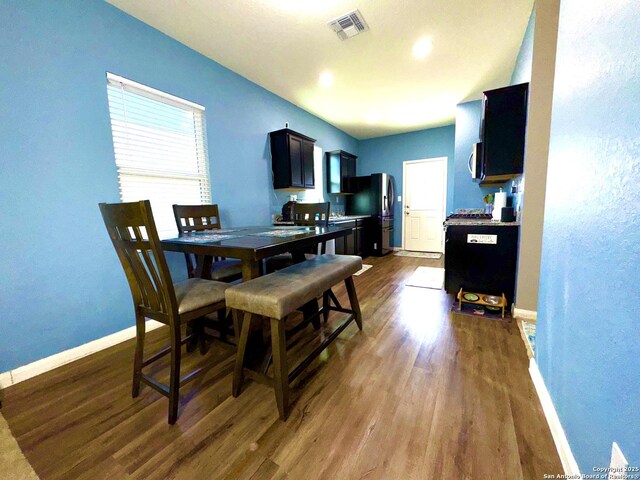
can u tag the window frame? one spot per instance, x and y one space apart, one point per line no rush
124 137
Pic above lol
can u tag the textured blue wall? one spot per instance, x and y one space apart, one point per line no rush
61 282
386 154
588 332
522 74
467 193
522 69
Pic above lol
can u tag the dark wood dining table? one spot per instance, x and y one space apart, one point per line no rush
251 245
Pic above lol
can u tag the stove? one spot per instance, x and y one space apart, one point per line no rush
469 216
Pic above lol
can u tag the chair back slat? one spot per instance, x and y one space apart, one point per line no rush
314 215
311 214
195 218
134 236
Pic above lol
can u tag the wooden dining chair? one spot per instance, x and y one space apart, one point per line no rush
311 214
304 214
198 218
133 232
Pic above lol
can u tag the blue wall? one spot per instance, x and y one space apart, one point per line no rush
588 333
386 154
522 69
522 74
61 282
467 193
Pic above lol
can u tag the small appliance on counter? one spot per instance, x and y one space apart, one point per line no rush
508 214
499 202
287 208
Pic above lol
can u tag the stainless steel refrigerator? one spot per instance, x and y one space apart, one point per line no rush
375 197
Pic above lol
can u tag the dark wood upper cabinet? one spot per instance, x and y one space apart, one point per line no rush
341 170
503 129
292 159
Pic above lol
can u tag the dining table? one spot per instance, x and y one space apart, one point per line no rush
251 245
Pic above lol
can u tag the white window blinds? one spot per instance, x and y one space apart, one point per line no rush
160 149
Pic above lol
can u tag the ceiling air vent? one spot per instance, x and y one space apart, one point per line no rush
349 25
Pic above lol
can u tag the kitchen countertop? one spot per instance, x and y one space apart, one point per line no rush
347 218
478 223
332 220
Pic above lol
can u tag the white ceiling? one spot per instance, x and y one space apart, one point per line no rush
379 88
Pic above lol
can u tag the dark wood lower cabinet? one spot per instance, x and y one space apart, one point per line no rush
358 242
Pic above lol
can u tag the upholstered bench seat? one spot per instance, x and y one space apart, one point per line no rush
278 294
281 293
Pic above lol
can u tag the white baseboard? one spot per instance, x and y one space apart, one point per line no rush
528 315
39 367
559 437
525 340
5 379
397 249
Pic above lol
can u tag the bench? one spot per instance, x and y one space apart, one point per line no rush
276 296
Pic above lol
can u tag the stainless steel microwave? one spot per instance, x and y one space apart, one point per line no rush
475 162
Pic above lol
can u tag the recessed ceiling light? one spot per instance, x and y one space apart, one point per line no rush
326 79
373 118
422 48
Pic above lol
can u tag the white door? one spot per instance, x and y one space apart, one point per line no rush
425 192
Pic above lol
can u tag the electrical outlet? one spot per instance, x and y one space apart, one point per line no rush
399 198
618 466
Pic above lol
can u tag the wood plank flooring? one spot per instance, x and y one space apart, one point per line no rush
419 394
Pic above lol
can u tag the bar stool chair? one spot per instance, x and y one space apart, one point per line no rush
134 236
199 218
304 214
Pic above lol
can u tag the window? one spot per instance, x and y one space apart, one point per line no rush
160 149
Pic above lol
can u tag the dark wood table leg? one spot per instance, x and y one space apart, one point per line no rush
256 347
310 308
203 267
250 269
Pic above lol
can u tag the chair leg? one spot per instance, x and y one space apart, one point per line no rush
353 299
193 341
310 309
202 339
325 306
222 323
137 357
174 381
235 318
280 370
238 374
